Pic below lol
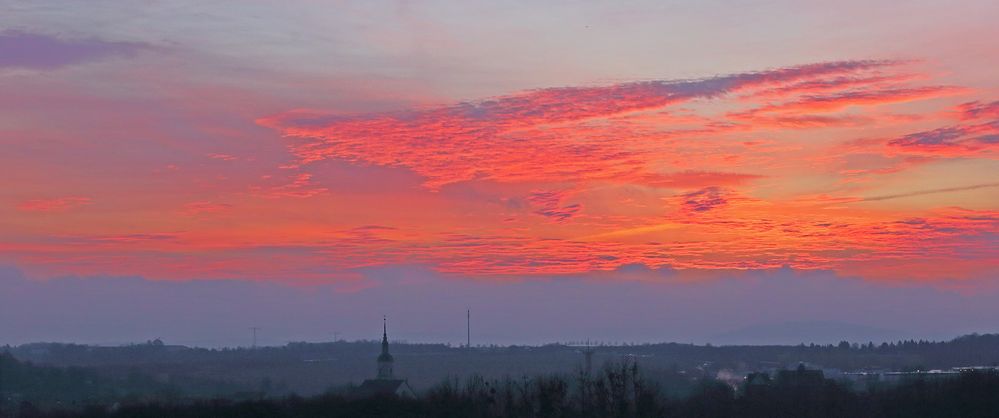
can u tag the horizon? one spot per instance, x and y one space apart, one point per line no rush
221 312
656 171
450 345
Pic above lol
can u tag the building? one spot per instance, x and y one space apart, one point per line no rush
801 378
385 384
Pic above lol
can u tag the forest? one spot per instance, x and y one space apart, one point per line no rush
309 369
75 379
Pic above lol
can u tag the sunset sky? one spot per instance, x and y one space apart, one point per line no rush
633 149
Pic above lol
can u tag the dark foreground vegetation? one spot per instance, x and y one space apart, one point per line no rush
618 391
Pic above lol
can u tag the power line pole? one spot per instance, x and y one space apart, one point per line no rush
254 329
468 328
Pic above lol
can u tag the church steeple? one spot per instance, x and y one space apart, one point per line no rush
384 335
385 360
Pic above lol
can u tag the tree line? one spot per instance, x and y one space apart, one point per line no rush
619 390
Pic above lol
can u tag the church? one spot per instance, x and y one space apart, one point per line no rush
385 384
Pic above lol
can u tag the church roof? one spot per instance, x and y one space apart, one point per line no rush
382 387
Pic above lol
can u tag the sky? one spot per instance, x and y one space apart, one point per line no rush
764 171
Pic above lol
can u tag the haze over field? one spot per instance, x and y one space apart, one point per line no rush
759 307
775 172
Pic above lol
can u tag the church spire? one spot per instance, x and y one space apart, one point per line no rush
385 360
384 335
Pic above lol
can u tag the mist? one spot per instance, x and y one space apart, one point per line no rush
630 305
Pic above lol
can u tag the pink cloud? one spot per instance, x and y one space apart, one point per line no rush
53 205
199 208
223 157
301 186
979 110
831 84
541 135
691 179
838 101
656 173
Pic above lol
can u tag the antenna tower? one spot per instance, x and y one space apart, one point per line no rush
254 330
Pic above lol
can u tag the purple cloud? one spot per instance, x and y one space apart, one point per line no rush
951 140
704 200
549 205
42 52
940 136
976 110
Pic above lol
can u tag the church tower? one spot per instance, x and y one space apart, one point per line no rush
385 359
385 384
